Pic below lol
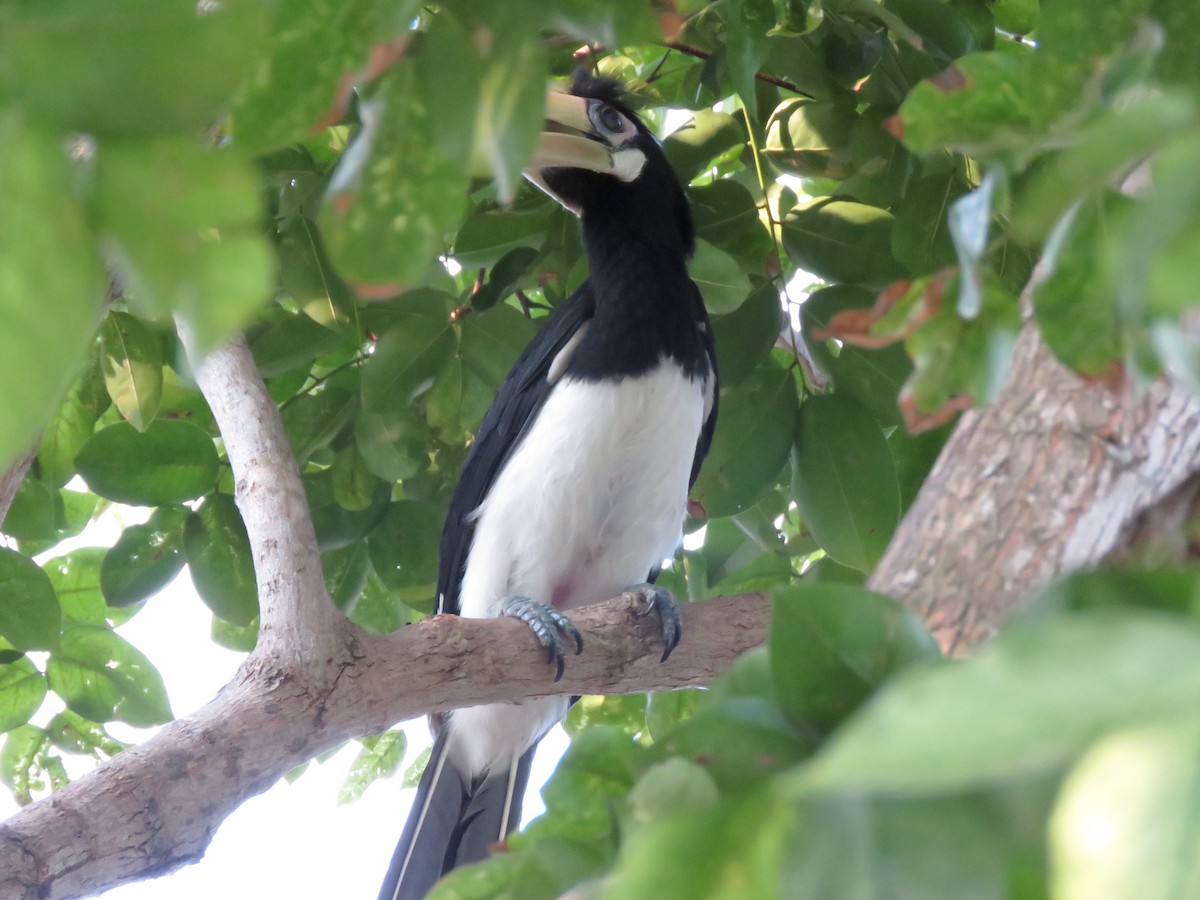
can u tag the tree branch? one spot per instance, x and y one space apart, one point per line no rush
299 621
155 807
1046 480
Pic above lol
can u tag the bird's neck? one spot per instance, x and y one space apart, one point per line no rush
636 270
646 308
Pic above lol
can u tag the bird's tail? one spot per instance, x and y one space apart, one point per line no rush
455 819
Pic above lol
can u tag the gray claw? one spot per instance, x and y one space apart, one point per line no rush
662 600
548 625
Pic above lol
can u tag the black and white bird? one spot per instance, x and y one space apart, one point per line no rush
576 486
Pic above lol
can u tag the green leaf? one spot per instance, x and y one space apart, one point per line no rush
832 645
71 425
127 67
336 525
692 147
22 689
987 844
30 517
1016 16
392 443
378 610
1073 303
844 481
492 341
1100 155
76 580
722 210
1151 245
30 617
810 138
183 226
131 357
394 195
721 280
345 570
745 336
145 558
404 550
315 419
408 356
624 712
380 757
921 237
735 850
1072 36
354 486
746 25
981 105
315 44
101 676
46 251
169 462
754 434
673 787
219 558
1029 702
874 378
487 237
18 760
666 710
839 240
307 275
1124 814
512 107
73 733
293 342
504 277
944 32
238 638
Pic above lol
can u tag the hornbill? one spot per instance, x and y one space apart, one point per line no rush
575 488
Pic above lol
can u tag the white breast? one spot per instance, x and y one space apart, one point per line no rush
593 498
591 501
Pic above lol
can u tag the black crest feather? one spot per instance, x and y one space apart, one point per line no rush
598 87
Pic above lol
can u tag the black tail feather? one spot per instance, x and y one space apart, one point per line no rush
454 821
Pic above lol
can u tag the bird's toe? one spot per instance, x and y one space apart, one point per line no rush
660 600
548 625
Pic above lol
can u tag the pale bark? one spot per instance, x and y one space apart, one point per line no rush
299 621
1050 478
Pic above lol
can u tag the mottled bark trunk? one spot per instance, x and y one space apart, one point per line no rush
1051 478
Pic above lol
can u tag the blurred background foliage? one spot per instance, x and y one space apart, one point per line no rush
873 184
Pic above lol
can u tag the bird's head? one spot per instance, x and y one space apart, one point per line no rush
598 159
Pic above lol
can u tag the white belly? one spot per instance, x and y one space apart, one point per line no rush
591 501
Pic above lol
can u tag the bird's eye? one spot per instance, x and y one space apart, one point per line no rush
607 119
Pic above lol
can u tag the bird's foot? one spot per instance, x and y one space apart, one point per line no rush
658 598
548 625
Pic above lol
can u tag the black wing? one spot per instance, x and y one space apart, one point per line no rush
710 348
522 394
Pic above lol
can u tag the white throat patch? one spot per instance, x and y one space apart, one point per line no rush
627 163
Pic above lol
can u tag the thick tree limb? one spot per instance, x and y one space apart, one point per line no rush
1048 479
155 807
299 621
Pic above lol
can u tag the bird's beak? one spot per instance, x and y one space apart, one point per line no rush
569 140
